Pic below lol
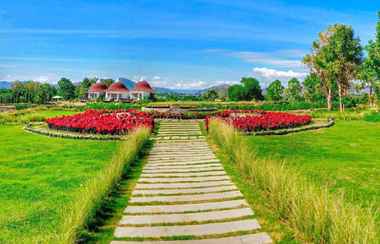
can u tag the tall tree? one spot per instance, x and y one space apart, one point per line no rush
275 91
252 89
83 87
293 92
66 88
236 92
335 58
345 56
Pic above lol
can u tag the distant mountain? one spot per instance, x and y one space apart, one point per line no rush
222 90
5 84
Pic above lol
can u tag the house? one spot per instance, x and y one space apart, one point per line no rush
141 91
97 91
117 92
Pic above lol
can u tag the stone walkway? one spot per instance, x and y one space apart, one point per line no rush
185 196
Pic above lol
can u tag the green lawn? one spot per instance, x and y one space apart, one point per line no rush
40 176
345 157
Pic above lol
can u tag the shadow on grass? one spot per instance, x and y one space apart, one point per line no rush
100 228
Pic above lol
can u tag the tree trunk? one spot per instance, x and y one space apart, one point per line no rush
340 93
370 96
329 99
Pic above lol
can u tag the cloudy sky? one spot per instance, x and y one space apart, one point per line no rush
172 43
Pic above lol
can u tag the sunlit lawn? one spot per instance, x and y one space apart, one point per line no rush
40 176
346 157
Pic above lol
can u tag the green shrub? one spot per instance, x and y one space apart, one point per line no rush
316 215
372 117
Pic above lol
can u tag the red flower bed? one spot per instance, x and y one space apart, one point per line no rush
116 122
257 120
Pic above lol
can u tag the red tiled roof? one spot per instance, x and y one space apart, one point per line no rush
98 87
117 87
143 86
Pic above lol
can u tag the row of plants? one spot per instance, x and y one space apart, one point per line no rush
258 120
112 105
113 122
315 214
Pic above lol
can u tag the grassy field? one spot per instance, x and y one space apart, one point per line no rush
33 115
40 177
345 157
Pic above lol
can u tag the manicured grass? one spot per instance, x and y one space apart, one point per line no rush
40 177
33 115
345 157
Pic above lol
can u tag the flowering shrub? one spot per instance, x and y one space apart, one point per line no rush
258 120
116 122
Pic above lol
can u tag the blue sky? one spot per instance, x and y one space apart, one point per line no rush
172 43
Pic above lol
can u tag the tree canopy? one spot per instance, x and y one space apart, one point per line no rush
275 91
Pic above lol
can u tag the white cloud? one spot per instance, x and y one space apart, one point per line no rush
271 74
268 59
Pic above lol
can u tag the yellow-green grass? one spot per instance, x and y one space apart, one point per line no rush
50 187
37 114
311 210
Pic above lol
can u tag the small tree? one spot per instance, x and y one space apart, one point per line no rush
66 88
210 95
312 88
293 92
252 89
275 91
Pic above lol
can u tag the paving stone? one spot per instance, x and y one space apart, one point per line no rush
180 230
184 179
259 238
183 185
184 167
160 170
184 191
208 206
184 161
187 198
185 217
186 174
181 157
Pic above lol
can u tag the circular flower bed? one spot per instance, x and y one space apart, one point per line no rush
257 120
116 122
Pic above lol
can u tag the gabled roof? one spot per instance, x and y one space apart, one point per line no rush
143 86
117 87
98 87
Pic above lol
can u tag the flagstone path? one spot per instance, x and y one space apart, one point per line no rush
185 196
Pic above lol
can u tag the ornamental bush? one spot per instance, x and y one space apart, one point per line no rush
115 122
259 120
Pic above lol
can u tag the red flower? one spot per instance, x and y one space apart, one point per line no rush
116 122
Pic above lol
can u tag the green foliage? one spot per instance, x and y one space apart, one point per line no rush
293 92
317 215
83 87
66 89
252 89
248 90
312 88
275 91
210 95
372 117
32 92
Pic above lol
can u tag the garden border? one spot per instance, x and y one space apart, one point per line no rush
69 135
330 122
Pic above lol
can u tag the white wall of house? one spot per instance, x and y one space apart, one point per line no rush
116 96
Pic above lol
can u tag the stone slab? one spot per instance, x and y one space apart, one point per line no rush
185 218
187 198
195 167
184 179
185 191
188 162
186 174
183 185
208 206
259 238
159 170
186 230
